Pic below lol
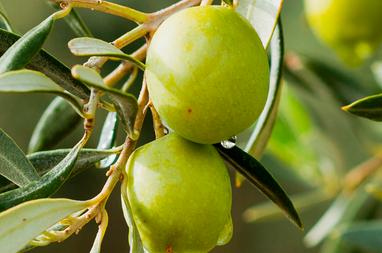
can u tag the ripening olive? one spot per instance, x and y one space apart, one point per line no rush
180 196
207 73
350 27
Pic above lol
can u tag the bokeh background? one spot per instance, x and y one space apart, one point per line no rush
20 113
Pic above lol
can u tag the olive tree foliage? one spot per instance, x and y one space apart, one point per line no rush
29 218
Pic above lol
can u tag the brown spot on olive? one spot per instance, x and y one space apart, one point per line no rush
169 249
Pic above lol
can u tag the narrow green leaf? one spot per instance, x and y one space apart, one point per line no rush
20 53
4 21
376 68
57 121
337 138
263 15
44 161
253 171
45 186
88 76
126 104
364 235
13 163
74 20
29 81
47 64
135 242
263 129
328 221
96 47
108 137
229 2
368 107
96 248
344 209
302 201
21 224
344 86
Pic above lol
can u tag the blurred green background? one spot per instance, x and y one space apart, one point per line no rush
20 113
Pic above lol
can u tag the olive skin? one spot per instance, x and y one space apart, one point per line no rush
207 73
180 196
350 27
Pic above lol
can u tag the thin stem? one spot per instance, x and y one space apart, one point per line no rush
130 36
110 8
130 81
62 13
98 62
115 173
361 173
159 128
158 17
125 67
206 2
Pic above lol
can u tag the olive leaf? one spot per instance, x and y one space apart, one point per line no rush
135 241
108 137
47 64
96 248
45 186
229 2
29 81
58 120
74 20
126 104
344 209
4 21
302 202
21 52
368 107
13 163
255 173
263 15
258 139
263 129
44 161
363 235
21 224
96 47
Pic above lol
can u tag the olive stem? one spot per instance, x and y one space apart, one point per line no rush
96 206
131 36
109 8
206 2
62 13
156 18
362 172
125 67
159 128
130 81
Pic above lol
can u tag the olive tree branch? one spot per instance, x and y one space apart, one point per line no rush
125 67
355 177
108 7
206 2
159 128
156 18
96 206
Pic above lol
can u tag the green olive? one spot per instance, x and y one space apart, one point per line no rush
207 73
350 27
180 196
